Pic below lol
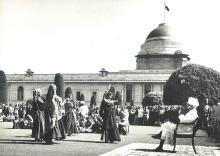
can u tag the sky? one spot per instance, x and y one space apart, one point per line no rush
83 36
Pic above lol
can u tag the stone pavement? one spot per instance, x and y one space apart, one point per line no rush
144 149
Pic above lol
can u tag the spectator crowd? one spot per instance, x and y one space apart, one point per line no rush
79 117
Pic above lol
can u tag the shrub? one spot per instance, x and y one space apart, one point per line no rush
151 100
82 97
93 101
59 82
68 91
192 81
3 87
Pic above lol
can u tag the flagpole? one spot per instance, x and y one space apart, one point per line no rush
164 12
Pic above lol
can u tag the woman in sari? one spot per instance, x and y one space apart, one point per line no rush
107 112
52 115
70 116
38 106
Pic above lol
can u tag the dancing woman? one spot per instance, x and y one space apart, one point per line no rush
52 115
38 106
107 112
70 116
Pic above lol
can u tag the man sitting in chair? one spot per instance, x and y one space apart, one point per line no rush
167 128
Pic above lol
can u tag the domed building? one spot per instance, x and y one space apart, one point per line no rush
160 55
162 50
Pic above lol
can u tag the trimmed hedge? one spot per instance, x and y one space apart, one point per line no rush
192 80
59 82
68 91
3 87
93 101
82 97
151 100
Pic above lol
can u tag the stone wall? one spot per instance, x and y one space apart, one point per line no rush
86 88
156 64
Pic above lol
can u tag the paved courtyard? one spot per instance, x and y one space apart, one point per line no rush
145 149
17 142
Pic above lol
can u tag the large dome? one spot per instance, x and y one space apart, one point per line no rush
162 40
163 30
162 50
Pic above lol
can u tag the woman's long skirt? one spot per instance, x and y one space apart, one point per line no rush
53 133
70 124
57 132
110 129
62 129
38 129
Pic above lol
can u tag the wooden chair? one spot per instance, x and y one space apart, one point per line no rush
185 130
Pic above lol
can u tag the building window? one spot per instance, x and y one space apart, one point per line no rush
20 93
78 95
128 92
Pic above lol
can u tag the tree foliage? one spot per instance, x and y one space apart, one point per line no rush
192 81
59 82
151 100
68 91
82 97
3 87
93 101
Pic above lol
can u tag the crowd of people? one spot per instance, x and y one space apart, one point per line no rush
51 117
19 113
86 116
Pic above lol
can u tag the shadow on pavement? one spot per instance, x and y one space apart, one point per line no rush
153 150
85 141
23 136
213 139
13 141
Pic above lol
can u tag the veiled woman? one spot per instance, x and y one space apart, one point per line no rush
107 112
38 107
52 115
70 116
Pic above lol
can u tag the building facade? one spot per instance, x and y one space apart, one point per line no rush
159 57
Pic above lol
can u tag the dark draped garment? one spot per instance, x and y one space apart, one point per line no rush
52 112
38 129
110 130
69 119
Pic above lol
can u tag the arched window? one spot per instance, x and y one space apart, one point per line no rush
78 95
20 93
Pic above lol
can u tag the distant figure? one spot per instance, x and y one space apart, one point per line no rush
131 115
83 109
70 116
123 125
11 110
98 122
